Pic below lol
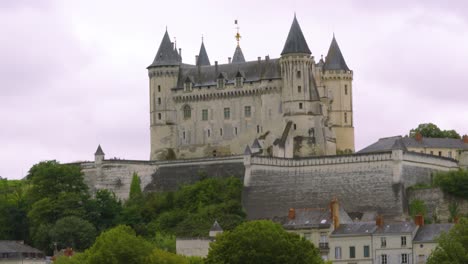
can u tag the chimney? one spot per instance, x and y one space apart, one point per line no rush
267 57
456 220
196 59
216 68
335 213
229 60
419 220
465 139
292 214
418 137
379 221
180 53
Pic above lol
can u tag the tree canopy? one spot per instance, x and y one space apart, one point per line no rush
453 182
431 130
261 242
453 246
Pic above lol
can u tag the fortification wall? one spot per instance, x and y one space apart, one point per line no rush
198 247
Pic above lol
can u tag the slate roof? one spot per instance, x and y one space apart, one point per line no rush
429 233
282 141
238 55
396 228
216 227
256 144
203 59
99 151
355 229
335 59
295 43
9 246
390 143
247 150
252 71
167 55
314 218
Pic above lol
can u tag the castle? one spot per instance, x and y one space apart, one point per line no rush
290 106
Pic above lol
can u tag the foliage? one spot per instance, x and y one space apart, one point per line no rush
104 210
135 189
261 242
433 131
13 210
165 242
453 246
160 256
417 207
453 182
74 232
454 211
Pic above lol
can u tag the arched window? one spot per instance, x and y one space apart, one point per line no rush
187 112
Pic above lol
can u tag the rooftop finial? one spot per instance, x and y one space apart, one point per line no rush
238 36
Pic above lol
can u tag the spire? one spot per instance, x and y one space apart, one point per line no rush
203 59
166 54
334 59
99 151
238 56
295 43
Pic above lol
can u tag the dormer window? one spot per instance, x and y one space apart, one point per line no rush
239 79
221 81
188 85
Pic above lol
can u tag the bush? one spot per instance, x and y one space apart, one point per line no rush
453 182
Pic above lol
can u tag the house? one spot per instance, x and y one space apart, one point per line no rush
425 240
13 252
352 243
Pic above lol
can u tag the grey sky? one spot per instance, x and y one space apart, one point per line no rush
72 73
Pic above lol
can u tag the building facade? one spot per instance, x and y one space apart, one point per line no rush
206 110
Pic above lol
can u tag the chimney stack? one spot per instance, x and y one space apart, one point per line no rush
419 220
465 139
456 219
335 213
267 57
216 68
418 137
196 59
229 60
292 214
379 221
180 53
259 59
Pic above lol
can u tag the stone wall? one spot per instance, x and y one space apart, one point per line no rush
193 246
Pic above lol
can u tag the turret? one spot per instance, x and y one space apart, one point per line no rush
99 155
163 74
301 101
203 59
337 79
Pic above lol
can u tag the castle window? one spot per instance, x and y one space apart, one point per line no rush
187 112
221 132
247 111
220 83
227 113
298 74
209 133
346 117
235 130
159 116
159 100
258 129
383 242
188 86
404 258
383 259
295 126
299 89
346 89
205 114
239 82
440 153
183 134
300 105
214 153
159 88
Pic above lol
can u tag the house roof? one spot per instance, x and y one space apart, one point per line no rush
9 246
256 144
355 229
238 55
335 59
295 43
396 228
167 55
399 142
203 59
429 233
314 218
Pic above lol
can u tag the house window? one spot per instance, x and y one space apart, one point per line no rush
300 105
205 114
159 88
159 100
221 132
227 113
239 82
247 111
159 116
440 153
298 74
346 117
346 89
403 241
337 252
404 258
308 236
220 83
352 252
299 89
187 112
366 251
383 258
383 242
450 154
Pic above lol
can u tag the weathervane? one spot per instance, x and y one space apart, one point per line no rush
238 36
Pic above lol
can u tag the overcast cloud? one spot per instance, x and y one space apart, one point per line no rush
72 73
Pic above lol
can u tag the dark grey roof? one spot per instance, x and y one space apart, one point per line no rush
99 151
216 227
396 228
429 233
295 43
397 142
247 150
203 59
9 246
313 218
238 55
252 70
282 141
355 229
256 144
167 55
334 59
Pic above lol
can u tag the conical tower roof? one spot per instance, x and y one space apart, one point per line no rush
203 59
334 59
99 151
295 43
238 55
166 54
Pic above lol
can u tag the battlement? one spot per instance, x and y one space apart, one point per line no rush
217 94
337 74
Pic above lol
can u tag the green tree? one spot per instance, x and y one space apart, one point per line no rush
104 210
452 246
261 242
431 130
135 188
74 232
165 242
417 207
159 256
453 182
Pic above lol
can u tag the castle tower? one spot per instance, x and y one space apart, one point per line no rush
99 155
338 79
300 98
202 59
163 73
